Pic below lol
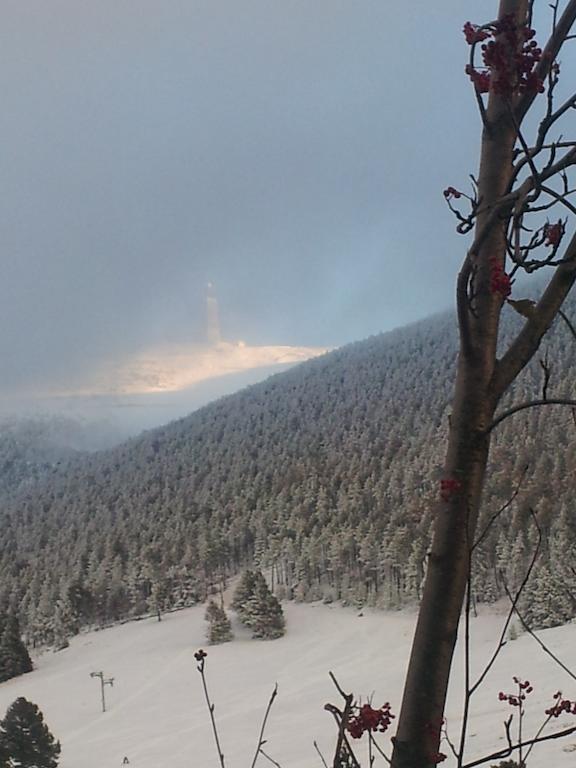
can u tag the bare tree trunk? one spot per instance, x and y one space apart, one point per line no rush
481 380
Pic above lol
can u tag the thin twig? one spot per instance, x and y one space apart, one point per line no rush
558 198
514 601
540 642
263 726
467 609
379 748
568 323
317 748
201 659
547 370
502 509
538 732
341 719
270 759
509 750
467 689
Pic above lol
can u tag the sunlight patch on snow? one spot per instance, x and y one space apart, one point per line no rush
174 368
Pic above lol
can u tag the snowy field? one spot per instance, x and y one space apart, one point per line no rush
158 719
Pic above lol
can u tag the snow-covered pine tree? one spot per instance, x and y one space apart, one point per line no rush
257 607
25 740
219 628
243 593
263 613
14 657
546 602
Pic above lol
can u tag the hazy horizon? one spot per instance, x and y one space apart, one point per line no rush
292 155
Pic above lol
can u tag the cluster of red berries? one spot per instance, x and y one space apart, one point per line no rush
439 757
510 58
516 699
449 487
561 706
451 192
200 655
500 282
553 233
481 80
474 34
369 719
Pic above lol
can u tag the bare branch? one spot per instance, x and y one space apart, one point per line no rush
261 741
553 117
528 340
502 509
270 759
549 55
201 659
547 371
317 748
514 602
508 751
530 404
568 323
540 642
342 719
378 748
559 199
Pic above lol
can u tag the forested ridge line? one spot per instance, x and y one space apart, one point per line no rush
325 475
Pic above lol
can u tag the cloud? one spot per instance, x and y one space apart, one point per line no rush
293 153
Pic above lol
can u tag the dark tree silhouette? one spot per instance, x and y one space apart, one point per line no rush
25 740
14 657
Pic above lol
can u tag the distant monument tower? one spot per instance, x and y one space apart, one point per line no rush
212 318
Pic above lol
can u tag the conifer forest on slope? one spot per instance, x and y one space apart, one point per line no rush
325 476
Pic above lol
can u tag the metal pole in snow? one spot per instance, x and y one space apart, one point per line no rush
109 681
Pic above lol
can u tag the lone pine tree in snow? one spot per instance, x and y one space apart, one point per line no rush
219 628
521 180
257 607
25 740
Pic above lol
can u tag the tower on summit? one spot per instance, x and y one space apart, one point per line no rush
212 317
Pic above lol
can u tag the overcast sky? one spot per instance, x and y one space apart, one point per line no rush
293 152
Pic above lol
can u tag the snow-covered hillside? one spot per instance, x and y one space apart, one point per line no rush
157 717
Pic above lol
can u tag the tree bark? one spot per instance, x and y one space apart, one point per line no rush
480 383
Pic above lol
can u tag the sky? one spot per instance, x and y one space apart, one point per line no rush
292 153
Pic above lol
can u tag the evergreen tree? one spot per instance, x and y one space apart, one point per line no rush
14 657
219 628
25 740
243 593
545 602
262 612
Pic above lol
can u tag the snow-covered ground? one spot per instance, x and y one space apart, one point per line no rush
158 719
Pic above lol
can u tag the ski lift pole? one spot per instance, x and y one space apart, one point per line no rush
103 682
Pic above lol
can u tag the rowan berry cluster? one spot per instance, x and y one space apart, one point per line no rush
553 233
500 282
510 58
449 487
561 706
369 719
451 192
474 34
516 699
